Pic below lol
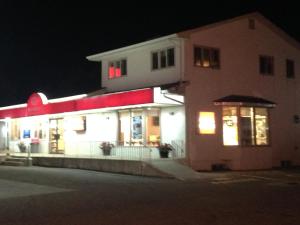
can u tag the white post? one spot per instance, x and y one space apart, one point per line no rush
29 159
7 134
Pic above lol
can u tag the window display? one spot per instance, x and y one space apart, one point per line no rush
230 126
137 127
262 126
251 125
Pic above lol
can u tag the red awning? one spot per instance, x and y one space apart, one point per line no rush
38 106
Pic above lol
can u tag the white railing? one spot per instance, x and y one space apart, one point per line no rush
108 150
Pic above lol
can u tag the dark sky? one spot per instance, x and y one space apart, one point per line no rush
43 44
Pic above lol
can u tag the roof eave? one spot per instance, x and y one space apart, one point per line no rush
97 57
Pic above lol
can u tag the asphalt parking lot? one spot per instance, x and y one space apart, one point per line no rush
37 195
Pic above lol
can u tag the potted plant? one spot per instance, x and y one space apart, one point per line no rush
164 150
22 146
106 147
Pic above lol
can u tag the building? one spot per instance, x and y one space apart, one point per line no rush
225 94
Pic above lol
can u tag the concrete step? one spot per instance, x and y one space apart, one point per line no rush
16 159
13 163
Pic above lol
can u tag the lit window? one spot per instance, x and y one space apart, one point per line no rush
15 127
251 124
230 126
261 126
207 124
111 71
206 57
163 59
117 69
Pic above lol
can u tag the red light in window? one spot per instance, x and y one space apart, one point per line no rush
111 72
118 72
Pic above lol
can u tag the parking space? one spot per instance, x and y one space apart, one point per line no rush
55 196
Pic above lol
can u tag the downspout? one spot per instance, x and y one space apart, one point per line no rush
175 100
183 78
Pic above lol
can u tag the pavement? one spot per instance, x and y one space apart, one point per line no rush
55 196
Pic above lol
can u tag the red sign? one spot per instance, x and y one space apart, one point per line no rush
37 104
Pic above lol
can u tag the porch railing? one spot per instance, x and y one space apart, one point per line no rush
108 150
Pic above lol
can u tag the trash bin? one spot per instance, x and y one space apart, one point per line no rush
34 147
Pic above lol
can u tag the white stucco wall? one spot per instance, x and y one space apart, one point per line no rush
139 67
99 127
172 124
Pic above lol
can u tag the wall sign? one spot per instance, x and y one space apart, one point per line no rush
137 127
26 133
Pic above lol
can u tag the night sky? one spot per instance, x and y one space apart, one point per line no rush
43 44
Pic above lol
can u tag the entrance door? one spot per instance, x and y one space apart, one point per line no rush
153 127
131 127
137 128
56 136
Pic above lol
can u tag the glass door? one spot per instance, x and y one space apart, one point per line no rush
131 127
57 145
124 128
153 127
137 126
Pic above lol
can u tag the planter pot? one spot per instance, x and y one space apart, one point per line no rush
164 154
22 149
106 151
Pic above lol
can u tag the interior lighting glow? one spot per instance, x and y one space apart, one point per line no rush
207 124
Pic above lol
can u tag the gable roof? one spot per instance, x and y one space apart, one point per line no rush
255 15
96 57
187 33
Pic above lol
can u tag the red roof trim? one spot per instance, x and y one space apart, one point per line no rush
135 97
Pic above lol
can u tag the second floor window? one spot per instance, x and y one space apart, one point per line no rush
117 68
266 65
163 59
206 57
290 68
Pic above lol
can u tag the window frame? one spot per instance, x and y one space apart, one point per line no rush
266 57
158 52
251 24
115 62
210 50
288 74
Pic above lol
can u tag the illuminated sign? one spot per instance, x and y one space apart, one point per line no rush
26 134
77 123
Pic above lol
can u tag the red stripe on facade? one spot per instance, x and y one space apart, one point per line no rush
114 100
136 97
13 113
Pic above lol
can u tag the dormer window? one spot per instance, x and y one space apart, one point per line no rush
117 68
